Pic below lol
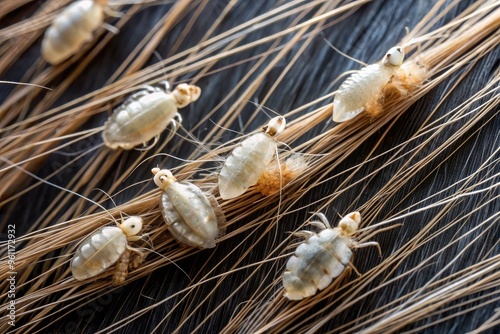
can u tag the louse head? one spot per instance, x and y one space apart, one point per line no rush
184 94
163 177
394 56
349 224
131 226
275 126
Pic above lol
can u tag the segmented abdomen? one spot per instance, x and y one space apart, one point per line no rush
245 165
98 252
358 89
70 30
190 215
138 121
315 263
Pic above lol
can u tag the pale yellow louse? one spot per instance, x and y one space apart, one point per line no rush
322 256
145 114
193 217
107 246
363 90
72 28
249 160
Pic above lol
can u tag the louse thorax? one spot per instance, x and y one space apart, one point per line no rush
249 160
146 114
363 90
71 29
193 217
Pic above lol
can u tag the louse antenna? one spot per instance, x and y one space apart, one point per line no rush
170 261
114 203
226 129
166 155
342 53
55 185
24 84
262 107
160 59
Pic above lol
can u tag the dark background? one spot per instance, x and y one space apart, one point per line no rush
364 35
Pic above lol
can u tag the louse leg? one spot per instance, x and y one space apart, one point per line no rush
121 268
110 28
377 231
146 147
324 220
145 91
318 224
177 118
136 259
111 12
303 234
351 265
368 244
164 85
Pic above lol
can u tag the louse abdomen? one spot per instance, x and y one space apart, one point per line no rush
189 215
70 30
138 121
98 252
315 263
245 165
358 89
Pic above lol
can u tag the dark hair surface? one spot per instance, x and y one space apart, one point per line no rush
422 161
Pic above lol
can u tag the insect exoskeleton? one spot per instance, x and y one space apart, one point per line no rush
363 90
322 257
192 216
72 29
248 161
145 114
105 247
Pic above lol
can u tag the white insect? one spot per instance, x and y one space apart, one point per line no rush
321 257
247 162
72 29
145 114
105 247
193 217
364 88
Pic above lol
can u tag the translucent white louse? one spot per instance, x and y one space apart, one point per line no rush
105 247
145 114
72 29
321 257
192 216
247 162
363 89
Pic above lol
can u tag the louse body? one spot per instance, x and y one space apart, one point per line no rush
192 216
322 257
247 162
105 247
145 114
71 30
363 89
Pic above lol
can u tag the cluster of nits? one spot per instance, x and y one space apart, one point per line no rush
192 216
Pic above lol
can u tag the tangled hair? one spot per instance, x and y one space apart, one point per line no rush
420 165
